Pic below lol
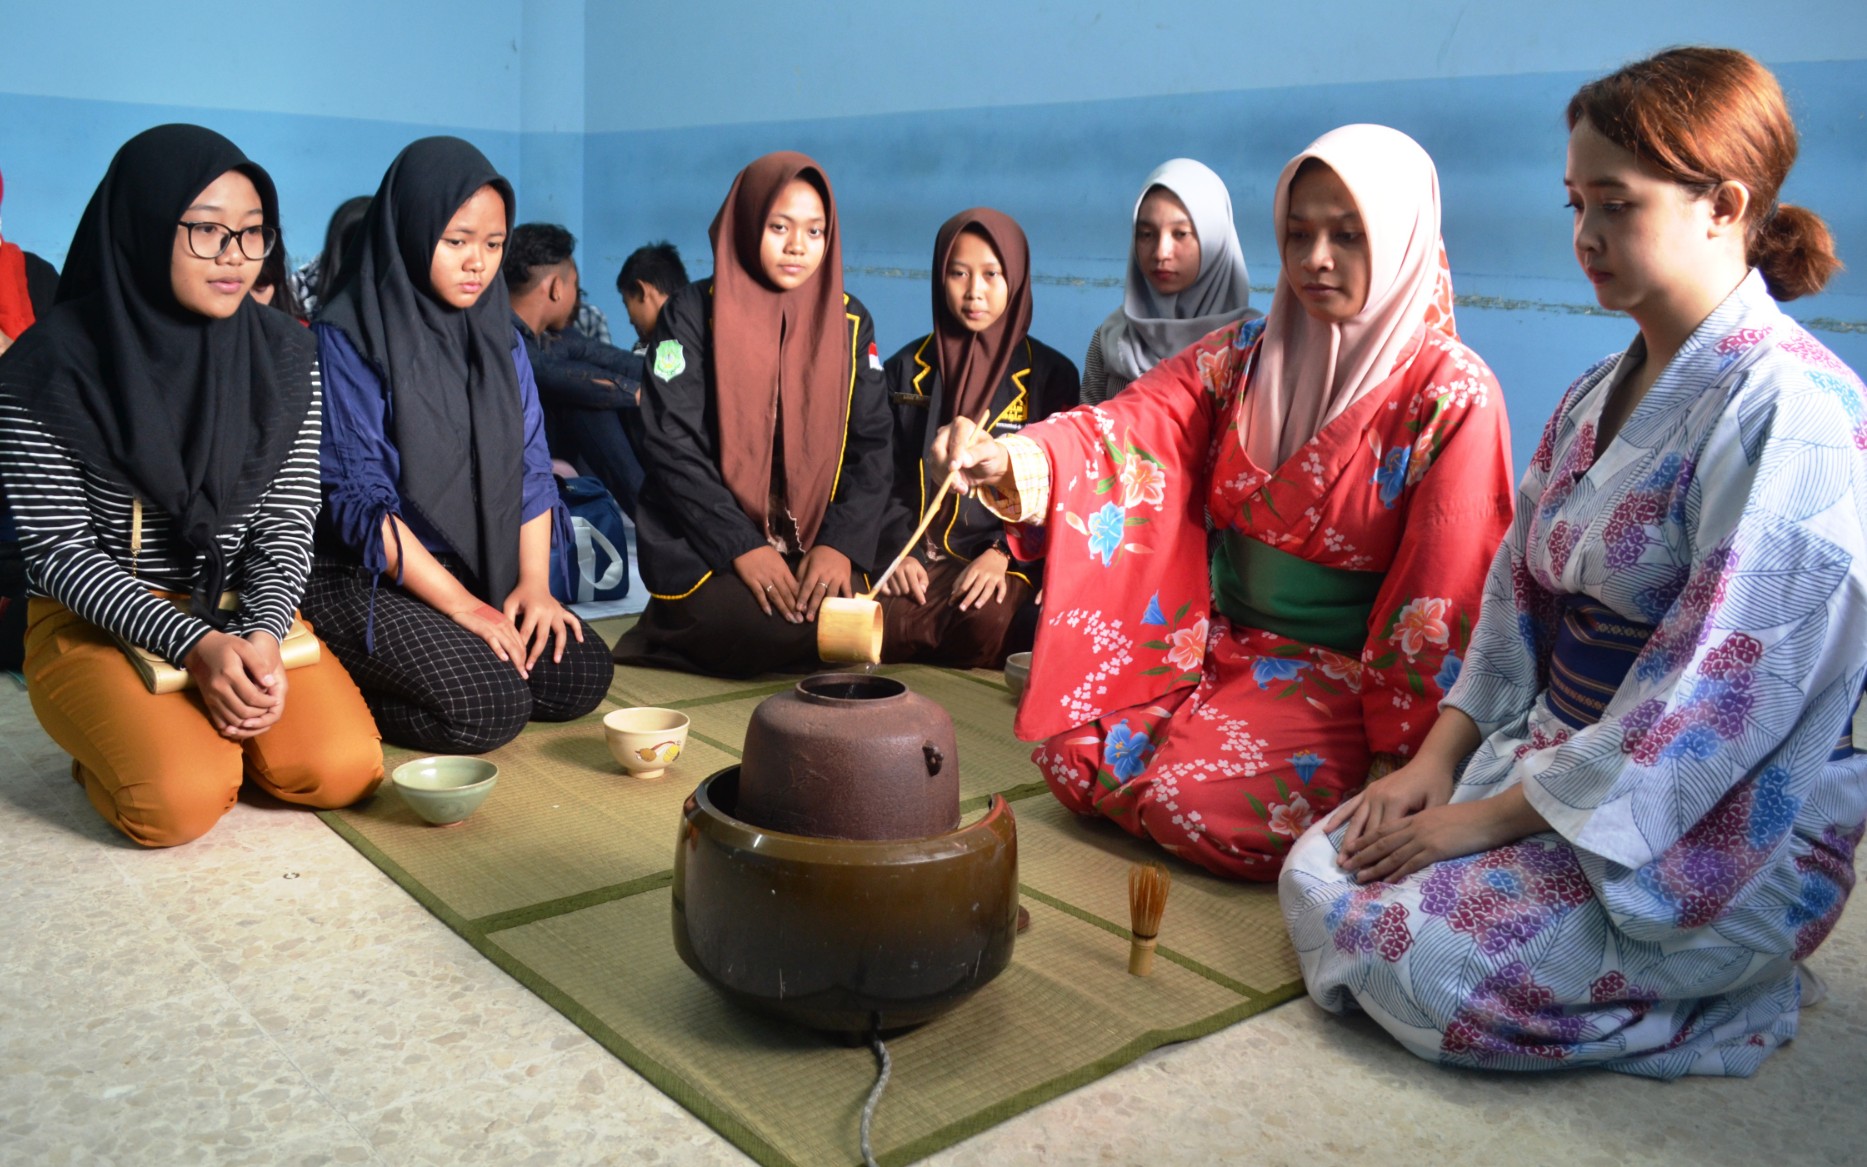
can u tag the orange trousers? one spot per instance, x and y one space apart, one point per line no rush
154 766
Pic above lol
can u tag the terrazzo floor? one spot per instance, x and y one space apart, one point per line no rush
265 996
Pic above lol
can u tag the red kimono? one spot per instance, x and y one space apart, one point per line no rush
1217 740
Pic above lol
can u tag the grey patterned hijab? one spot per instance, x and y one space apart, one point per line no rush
1152 327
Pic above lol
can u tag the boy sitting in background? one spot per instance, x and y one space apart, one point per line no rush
648 277
587 388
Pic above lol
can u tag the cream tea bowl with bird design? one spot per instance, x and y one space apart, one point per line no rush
645 741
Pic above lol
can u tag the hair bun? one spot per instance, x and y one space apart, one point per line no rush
1795 251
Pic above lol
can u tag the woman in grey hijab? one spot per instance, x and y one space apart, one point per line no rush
1186 277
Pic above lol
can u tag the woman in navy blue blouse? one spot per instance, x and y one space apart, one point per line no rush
432 580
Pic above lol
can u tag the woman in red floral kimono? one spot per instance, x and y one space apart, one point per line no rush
1215 694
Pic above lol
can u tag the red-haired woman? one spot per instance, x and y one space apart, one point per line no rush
1638 809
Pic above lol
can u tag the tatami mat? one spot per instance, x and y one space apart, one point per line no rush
562 879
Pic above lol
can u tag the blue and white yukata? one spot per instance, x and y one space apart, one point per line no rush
1671 646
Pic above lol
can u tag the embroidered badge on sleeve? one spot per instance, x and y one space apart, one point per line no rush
670 360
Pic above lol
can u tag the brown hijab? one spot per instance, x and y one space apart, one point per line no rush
781 360
974 364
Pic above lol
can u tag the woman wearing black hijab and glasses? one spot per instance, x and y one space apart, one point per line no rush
432 582
158 442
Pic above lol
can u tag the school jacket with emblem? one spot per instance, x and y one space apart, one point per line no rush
689 526
1041 381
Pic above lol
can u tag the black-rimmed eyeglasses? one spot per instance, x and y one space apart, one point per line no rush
210 240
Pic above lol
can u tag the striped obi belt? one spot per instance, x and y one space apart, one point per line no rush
1595 647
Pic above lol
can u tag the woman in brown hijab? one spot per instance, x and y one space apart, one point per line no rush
960 598
767 428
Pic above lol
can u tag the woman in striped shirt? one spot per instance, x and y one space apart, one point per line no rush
159 444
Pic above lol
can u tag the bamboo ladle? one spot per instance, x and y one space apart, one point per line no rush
849 628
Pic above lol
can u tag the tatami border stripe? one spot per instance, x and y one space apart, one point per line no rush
1184 961
564 905
729 698
762 689
721 746
1009 794
408 883
699 702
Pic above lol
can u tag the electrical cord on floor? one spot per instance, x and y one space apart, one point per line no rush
884 1065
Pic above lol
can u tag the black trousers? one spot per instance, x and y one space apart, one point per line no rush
432 684
720 631
604 440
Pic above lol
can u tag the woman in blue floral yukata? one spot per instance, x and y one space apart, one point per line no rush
1638 809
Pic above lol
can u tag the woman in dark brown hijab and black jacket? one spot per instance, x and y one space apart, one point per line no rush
961 599
767 439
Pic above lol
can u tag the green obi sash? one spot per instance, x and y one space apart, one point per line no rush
1258 586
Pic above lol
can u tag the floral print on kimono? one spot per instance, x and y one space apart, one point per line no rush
1223 742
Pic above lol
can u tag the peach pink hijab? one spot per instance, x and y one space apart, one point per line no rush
1309 373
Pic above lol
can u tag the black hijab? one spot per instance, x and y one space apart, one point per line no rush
454 412
193 415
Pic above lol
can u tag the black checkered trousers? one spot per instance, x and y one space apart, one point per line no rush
433 685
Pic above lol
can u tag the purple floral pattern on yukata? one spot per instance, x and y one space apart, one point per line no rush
1507 896
1509 1013
1704 824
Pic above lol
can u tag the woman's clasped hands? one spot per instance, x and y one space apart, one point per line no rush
241 681
1407 821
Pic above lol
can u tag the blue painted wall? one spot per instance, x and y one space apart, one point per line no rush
56 150
323 95
917 55
626 121
551 95
1059 116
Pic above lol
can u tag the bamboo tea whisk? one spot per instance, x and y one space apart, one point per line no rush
1148 885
